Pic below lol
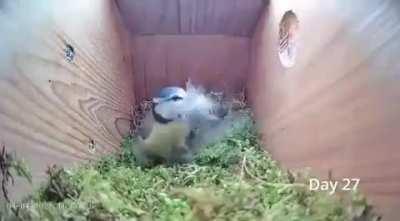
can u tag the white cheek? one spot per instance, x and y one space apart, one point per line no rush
179 105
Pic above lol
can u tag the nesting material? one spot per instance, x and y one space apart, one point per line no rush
230 179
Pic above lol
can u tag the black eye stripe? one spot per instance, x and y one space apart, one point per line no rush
175 98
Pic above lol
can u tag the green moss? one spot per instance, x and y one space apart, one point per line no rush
232 179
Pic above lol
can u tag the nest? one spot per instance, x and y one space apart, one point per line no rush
231 179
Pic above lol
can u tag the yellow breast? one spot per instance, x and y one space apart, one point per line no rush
164 137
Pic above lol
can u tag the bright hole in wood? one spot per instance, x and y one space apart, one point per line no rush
288 31
69 52
92 146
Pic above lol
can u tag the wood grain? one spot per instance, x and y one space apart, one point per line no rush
51 109
219 63
194 17
338 108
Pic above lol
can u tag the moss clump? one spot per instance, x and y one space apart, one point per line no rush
232 179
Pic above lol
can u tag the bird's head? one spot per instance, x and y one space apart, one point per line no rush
168 106
193 106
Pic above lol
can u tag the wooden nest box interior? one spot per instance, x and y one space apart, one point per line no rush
322 78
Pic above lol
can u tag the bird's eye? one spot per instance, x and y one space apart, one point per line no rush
176 98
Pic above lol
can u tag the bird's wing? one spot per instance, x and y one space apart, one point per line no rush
146 126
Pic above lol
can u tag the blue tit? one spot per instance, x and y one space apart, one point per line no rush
205 116
164 141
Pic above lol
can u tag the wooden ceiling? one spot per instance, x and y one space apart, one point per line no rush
200 17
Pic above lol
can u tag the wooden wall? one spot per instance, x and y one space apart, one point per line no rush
217 62
199 17
204 40
50 109
339 107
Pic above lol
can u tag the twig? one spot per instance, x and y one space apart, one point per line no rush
242 168
282 185
138 113
5 166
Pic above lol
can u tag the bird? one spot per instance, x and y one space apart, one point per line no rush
172 131
204 114
162 138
